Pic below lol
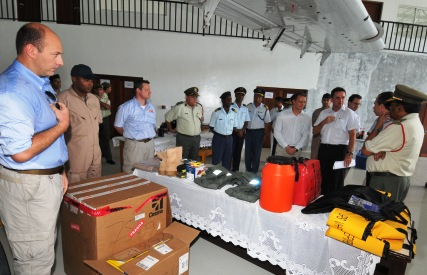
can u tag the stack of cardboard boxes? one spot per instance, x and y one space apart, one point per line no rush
121 224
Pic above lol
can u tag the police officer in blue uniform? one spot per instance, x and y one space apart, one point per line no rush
260 119
223 122
239 133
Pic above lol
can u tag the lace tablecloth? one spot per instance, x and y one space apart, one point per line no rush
294 241
169 141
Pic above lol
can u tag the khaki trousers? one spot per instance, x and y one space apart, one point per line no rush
29 206
135 152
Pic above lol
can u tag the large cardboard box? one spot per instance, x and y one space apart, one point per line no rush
167 253
101 217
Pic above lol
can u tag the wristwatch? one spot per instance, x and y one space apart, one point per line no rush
349 153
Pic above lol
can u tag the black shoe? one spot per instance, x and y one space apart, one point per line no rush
110 161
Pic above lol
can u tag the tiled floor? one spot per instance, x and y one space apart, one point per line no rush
208 259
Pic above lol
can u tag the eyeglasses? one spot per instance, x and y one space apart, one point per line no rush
53 98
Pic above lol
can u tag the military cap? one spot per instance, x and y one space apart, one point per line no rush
240 90
408 95
225 95
53 77
259 91
193 91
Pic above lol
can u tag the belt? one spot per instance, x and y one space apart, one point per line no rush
145 140
222 135
383 174
42 172
333 145
189 135
253 130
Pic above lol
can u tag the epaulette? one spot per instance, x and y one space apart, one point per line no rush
199 104
234 110
250 103
178 103
218 109
244 105
398 121
266 107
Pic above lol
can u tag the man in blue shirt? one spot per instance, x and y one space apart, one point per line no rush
242 123
223 122
136 121
33 150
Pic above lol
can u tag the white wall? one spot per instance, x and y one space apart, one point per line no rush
174 62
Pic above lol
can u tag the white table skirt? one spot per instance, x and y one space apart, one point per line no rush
294 241
169 141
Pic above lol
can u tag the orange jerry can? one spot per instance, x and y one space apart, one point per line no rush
277 184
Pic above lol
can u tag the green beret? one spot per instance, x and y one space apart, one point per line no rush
408 95
193 91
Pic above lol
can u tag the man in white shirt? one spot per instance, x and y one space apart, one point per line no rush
278 101
337 127
292 128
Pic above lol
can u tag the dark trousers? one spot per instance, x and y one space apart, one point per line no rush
190 145
331 179
237 151
221 150
104 138
273 149
253 149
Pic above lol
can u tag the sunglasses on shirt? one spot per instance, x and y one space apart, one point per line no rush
53 98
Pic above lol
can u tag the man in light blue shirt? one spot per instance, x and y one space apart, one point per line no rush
239 134
257 128
136 121
223 122
33 150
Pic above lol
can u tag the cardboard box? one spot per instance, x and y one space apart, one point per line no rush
195 170
101 217
167 253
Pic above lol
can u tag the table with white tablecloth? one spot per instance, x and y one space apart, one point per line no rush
169 141
294 241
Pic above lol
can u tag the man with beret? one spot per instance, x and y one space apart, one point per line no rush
257 128
85 117
136 121
278 102
337 128
55 82
239 133
315 142
223 123
393 152
189 118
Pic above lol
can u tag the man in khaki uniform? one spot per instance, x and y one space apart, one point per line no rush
189 118
393 152
85 117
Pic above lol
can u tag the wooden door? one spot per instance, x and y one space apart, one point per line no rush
68 12
423 118
271 94
375 10
29 10
122 91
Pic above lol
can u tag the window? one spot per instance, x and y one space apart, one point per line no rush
412 15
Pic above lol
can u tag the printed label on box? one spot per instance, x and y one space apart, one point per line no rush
139 217
183 263
147 262
163 248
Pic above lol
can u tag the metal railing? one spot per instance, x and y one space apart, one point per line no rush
159 15
404 37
